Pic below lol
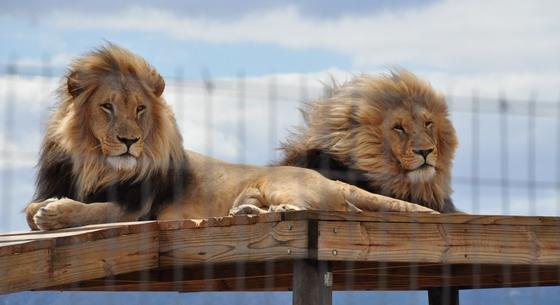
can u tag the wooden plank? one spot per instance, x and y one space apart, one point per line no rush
409 277
364 216
22 246
438 243
35 240
358 276
67 256
425 218
23 271
268 276
283 283
132 226
240 243
399 276
107 257
312 283
368 251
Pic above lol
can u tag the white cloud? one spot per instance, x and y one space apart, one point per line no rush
481 35
514 85
544 205
58 60
234 134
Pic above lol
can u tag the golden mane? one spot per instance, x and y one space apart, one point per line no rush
347 132
70 135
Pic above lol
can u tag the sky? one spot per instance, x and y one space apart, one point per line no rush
263 58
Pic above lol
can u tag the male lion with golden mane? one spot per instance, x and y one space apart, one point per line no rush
388 135
113 152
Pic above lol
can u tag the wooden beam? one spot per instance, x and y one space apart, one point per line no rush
41 259
106 257
367 251
396 217
312 283
360 276
257 242
443 296
24 271
438 243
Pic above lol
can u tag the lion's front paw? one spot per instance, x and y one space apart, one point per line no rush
32 209
58 214
246 209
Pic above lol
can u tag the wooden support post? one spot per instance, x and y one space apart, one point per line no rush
312 283
443 296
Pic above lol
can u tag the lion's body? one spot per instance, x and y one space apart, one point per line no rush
113 152
239 184
389 135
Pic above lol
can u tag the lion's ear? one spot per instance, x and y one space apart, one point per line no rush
73 84
159 84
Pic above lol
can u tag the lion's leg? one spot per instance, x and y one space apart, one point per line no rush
252 202
246 209
249 202
374 202
64 213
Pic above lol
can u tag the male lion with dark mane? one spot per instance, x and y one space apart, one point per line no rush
388 135
113 152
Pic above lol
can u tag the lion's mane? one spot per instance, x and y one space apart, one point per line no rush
71 162
343 137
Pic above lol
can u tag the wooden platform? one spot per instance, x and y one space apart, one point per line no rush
373 251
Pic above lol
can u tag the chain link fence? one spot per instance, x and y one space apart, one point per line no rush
507 161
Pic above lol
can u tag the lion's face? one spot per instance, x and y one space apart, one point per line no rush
391 132
405 143
410 136
401 137
113 124
120 118
115 116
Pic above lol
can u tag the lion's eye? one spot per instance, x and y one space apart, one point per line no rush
108 107
140 109
429 124
398 128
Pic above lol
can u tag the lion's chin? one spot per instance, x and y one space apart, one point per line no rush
423 174
122 163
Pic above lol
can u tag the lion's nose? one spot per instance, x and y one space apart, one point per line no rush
423 152
128 142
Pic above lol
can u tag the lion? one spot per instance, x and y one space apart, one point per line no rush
113 152
387 134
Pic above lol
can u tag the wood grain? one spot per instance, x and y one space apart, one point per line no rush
240 243
438 243
24 271
368 251
68 256
108 257
394 217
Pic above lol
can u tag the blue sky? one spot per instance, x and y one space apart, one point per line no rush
478 42
490 48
